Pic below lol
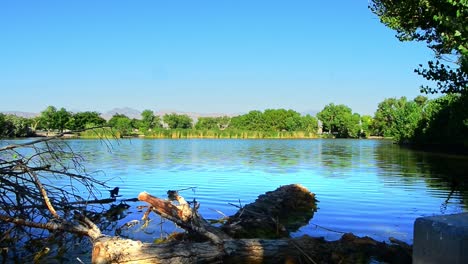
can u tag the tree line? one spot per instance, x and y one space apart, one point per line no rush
407 121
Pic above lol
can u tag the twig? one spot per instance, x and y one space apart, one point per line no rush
219 212
54 226
43 191
188 188
302 251
328 229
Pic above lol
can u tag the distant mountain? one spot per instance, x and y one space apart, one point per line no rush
21 114
129 112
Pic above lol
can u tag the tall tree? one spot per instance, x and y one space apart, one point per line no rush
16 126
122 123
384 117
175 121
207 123
442 25
62 118
47 118
253 120
51 119
339 120
398 118
82 120
309 124
149 120
366 125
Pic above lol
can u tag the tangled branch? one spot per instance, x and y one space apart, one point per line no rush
41 182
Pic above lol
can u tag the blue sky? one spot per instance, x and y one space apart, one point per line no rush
201 56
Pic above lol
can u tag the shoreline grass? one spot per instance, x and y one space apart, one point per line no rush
193 133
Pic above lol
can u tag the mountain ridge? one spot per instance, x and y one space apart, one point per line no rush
134 113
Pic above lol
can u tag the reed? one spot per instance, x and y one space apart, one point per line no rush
228 133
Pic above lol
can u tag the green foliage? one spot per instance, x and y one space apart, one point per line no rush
253 120
2 125
210 123
443 26
440 123
62 117
384 124
366 125
207 123
122 124
47 118
274 120
14 126
309 124
398 118
51 119
82 120
407 119
340 121
282 120
444 122
20 126
149 121
175 121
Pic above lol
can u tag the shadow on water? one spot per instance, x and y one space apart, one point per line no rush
447 173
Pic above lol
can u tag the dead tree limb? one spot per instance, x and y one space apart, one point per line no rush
184 216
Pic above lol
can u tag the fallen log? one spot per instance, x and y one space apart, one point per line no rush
349 249
204 243
277 209
274 214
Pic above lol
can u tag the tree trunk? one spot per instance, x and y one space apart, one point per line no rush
349 249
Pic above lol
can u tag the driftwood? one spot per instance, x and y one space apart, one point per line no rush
220 247
266 217
274 214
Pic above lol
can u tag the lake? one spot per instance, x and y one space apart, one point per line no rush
367 187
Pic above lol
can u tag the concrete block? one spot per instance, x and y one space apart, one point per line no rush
441 239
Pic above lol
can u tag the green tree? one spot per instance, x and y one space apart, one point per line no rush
82 120
51 119
18 126
407 118
223 122
366 125
3 125
398 118
444 123
62 118
175 121
384 118
253 120
121 123
442 25
47 118
207 123
281 120
14 126
420 100
149 121
309 124
339 120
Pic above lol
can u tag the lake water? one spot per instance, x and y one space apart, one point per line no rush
368 187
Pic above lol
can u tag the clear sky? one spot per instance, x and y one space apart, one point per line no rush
201 56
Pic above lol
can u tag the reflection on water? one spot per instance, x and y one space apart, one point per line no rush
368 187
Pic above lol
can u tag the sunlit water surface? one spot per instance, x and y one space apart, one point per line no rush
367 187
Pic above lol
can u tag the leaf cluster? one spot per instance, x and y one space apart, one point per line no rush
443 26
